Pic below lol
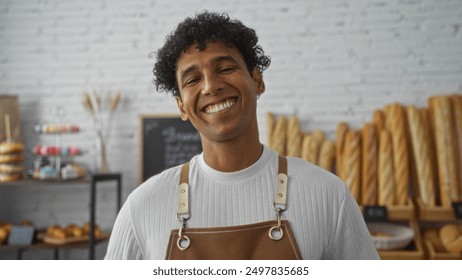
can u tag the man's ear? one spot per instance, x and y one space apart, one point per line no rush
179 102
258 79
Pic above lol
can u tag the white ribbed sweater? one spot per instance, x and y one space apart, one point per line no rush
324 217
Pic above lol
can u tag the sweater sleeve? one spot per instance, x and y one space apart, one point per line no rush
351 239
123 244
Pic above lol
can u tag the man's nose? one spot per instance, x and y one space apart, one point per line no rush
213 85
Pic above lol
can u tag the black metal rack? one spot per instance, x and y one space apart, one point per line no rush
93 181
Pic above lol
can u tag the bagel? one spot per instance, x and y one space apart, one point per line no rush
11 168
10 177
451 237
11 158
11 147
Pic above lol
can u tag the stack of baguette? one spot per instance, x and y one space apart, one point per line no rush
284 135
402 146
406 146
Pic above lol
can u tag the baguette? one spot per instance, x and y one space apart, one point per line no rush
441 112
305 153
342 129
421 147
327 155
270 122
317 137
279 136
378 120
385 170
293 137
456 101
369 164
352 163
395 123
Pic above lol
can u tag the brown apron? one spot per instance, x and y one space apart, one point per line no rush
261 241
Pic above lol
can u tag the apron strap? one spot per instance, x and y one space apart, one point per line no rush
183 192
279 203
281 186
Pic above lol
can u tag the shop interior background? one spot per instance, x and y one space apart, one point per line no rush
332 61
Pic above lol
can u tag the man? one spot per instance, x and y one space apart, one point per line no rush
238 199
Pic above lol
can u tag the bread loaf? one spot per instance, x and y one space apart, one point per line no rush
395 123
422 156
279 136
441 111
342 129
378 120
451 237
305 153
293 137
385 170
316 139
327 155
456 101
352 163
270 122
369 164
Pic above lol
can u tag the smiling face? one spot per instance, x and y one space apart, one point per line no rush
217 92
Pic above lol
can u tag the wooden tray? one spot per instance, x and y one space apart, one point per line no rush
55 241
435 213
433 254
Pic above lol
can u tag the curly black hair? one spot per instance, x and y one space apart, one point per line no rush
203 28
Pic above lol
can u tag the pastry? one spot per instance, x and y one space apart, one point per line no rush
316 139
451 237
11 148
269 128
279 136
305 153
293 137
422 156
378 120
441 112
385 170
342 129
327 155
352 163
369 164
456 101
395 123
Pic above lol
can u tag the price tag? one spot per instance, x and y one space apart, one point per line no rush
375 213
21 235
457 209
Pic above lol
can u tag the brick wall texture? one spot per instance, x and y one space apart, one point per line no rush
332 61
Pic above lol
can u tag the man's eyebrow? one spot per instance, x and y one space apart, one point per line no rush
224 58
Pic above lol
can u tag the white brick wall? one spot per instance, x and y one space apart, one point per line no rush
331 61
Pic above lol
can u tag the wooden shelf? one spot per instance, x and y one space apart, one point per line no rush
434 213
416 251
433 254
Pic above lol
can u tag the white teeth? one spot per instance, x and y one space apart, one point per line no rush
219 107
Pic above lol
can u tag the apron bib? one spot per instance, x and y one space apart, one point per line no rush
269 240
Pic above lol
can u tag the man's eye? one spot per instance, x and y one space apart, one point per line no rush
190 82
227 70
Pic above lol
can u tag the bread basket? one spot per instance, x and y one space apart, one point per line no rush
388 236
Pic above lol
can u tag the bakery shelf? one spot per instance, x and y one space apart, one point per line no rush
434 213
414 251
92 182
400 212
433 254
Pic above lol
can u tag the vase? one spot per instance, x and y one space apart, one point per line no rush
102 165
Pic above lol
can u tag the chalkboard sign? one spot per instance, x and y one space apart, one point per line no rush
166 141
